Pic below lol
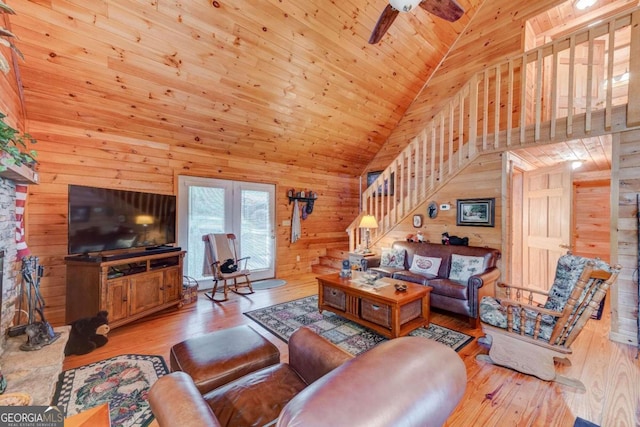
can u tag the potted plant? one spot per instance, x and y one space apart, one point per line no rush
13 147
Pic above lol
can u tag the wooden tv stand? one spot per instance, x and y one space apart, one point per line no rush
129 288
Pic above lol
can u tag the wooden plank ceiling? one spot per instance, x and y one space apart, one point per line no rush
285 81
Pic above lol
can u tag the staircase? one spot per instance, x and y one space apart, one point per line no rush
521 102
331 262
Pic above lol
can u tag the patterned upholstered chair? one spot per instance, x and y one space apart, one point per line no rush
530 337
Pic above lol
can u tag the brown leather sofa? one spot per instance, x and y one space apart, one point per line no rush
447 294
408 381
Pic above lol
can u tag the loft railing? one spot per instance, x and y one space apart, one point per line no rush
520 102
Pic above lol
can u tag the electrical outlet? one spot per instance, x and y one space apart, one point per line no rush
445 207
298 258
286 222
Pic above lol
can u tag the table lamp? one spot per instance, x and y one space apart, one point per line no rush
368 222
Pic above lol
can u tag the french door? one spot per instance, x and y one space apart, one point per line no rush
220 206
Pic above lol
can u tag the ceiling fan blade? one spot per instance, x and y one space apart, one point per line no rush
445 9
387 17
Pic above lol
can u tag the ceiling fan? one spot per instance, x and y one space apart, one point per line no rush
445 9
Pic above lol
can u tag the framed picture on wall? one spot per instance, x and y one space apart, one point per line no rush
388 187
476 212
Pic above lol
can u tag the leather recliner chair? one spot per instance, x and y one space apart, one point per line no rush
408 381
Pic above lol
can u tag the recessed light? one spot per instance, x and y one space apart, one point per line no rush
585 4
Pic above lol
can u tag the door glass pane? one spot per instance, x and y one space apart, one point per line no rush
206 215
255 238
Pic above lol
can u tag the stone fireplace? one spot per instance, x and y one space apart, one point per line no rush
8 269
31 372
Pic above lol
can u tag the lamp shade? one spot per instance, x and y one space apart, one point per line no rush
368 221
404 5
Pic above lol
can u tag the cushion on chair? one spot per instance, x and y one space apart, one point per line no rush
257 398
492 313
568 271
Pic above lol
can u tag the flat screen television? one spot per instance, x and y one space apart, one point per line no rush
102 219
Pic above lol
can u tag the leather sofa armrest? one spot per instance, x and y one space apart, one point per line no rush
481 285
389 385
370 262
176 401
312 356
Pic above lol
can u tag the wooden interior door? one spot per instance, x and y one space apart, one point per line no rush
546 228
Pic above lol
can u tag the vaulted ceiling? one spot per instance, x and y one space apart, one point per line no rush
288 81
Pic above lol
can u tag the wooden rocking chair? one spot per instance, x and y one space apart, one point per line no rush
219 249
528 337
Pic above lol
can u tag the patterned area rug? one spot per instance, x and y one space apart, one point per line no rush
283 319
122 381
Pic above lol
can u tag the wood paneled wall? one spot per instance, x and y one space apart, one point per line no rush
625 186
481 179
591 212
75 156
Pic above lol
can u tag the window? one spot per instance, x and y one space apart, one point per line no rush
220 206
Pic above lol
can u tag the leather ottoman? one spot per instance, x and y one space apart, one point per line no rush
220 357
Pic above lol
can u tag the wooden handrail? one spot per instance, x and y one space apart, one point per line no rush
516 103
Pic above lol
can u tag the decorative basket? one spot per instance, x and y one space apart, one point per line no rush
189 290
15 399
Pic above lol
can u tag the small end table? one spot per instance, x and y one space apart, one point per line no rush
355 259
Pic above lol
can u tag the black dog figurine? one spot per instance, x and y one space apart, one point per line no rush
228 266
454 240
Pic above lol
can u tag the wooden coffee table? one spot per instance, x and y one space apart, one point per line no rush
389 312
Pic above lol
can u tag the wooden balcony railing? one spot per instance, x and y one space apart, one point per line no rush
575 86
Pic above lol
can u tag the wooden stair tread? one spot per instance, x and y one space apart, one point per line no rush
323 269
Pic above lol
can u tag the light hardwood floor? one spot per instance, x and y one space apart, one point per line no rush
495 396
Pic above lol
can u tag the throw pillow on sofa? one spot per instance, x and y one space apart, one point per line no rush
392 258
425 265
463 267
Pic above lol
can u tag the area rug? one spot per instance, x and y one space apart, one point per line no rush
283 319
267 284
122 381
